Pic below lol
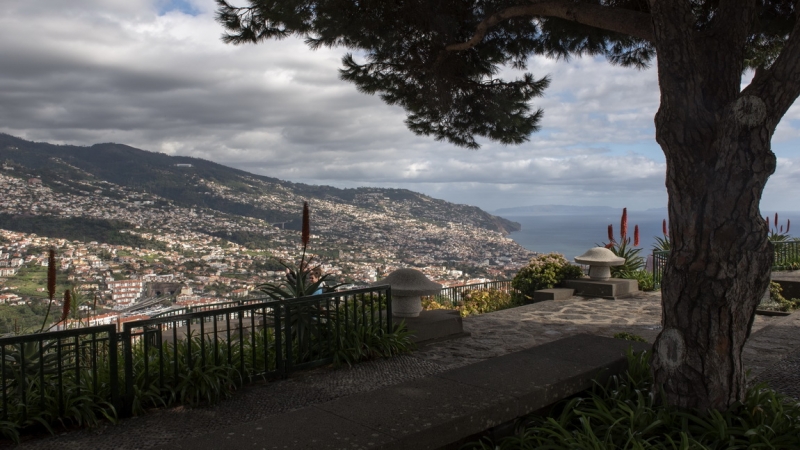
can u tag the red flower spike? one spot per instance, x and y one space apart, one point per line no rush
623 232
776 219
306 236
788 223
51 274
636 236
664 226
610 233
67 304
766 219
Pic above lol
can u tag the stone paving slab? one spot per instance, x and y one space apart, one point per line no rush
515 329
772 354
492 335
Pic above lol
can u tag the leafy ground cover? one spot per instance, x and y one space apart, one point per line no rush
624 413
479 301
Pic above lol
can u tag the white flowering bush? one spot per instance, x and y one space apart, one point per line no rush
544 272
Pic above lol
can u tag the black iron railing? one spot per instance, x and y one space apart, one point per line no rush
786 256
455 294
44 373
659 263
207 307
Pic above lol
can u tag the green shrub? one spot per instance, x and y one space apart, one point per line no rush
643 277
784 304
484 301
629 337
433 302
544 272
624 413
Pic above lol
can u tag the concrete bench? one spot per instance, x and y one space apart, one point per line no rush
437 410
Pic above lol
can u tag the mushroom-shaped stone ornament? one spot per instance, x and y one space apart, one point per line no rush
408 285
600 261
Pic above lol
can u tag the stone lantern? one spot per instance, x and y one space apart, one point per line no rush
600 260
408 285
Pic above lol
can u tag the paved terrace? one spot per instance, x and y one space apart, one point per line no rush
497 340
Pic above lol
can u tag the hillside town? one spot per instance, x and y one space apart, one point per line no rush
190 262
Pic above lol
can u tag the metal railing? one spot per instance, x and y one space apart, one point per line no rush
45 374
257 339
207 307
454 294
659 263
786 256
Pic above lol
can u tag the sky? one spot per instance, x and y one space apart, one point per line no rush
154 74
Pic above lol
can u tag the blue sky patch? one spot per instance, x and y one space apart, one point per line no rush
183 6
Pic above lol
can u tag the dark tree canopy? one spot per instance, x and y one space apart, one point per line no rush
456 95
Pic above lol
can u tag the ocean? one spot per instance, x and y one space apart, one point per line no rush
572 235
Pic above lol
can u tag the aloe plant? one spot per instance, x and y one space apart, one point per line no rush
777 233
663 243
51 284
624 249
298 280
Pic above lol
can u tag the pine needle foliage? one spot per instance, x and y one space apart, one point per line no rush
457 96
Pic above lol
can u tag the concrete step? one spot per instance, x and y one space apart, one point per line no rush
553 294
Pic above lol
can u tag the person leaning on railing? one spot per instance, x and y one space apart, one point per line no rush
314 276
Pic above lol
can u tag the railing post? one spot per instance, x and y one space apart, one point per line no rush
287 330
389 320
114 368
127 349
655 282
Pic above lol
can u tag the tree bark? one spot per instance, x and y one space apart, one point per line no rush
720 261
716 140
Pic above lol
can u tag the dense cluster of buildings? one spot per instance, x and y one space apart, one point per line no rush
356 242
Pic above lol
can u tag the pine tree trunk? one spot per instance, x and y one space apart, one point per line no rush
719 265
716 139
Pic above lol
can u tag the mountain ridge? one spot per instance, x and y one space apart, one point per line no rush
159 174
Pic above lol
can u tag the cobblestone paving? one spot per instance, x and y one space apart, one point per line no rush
492 335
516 329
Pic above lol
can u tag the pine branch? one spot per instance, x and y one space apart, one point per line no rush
624 21
779 86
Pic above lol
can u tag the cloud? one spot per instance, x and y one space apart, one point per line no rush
154 74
